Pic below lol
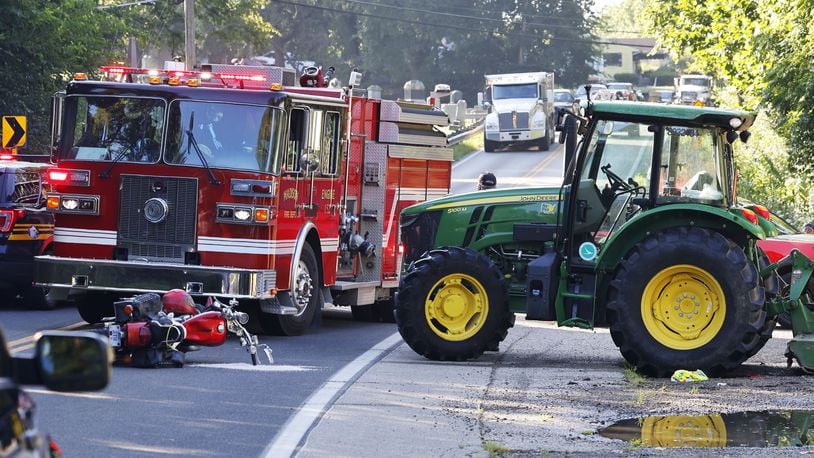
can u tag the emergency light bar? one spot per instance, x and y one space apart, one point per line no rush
238 78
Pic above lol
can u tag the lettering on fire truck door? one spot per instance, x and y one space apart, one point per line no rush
294 188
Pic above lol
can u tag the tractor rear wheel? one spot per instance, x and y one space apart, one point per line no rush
452 305
686 298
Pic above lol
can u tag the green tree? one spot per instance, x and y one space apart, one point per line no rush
764 50
71 35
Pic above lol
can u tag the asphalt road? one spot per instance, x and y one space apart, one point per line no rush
511 167
217 405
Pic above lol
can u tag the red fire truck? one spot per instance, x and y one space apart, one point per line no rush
227 183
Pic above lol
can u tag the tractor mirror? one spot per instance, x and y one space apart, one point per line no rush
731 136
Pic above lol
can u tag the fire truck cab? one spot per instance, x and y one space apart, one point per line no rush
228 184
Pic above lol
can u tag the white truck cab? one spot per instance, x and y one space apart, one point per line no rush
521 110
694 90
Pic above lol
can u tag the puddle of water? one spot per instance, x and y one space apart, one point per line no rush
774 428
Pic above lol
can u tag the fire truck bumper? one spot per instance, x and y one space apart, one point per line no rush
137 277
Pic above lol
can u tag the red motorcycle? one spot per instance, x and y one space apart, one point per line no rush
149 330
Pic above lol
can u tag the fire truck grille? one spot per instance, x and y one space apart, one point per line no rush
172 208
505 121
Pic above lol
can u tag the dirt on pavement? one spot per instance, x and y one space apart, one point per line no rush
549 391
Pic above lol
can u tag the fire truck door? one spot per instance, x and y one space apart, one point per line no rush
299 165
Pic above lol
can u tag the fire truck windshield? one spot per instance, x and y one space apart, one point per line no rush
228 135
127 129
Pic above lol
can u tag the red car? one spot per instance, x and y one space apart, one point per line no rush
778 246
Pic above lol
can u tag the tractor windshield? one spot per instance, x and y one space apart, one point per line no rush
616 178
691 166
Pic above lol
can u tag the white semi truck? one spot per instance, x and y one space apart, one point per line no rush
694 90
521 110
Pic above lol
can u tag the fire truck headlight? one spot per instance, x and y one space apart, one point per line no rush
243 214
70 203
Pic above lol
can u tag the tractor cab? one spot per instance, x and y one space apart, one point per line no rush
639 168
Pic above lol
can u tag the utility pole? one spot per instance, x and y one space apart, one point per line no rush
189 34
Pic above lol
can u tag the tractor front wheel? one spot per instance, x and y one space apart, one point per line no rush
452 305
686 298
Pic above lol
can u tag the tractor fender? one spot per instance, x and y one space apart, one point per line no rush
730 223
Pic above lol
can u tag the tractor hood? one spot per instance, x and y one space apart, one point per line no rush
491 197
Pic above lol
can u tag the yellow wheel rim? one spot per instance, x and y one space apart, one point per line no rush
684 431
456 307
683 307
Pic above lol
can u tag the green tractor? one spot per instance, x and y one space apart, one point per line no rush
644 236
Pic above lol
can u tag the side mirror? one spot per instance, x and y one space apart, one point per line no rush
72 361
731 136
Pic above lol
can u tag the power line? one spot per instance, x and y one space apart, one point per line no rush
450 26
479 18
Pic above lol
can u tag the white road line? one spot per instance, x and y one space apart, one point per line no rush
296 429
465 159
258 368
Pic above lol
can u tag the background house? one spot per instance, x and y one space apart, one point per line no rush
630 56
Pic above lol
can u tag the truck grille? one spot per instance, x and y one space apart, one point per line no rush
168 239
505 121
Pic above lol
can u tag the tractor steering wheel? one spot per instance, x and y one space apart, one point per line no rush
616 182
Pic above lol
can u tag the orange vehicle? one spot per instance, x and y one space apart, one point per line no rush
227 183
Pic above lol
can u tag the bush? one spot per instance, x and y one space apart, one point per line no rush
765 171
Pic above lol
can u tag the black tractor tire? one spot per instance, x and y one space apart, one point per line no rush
688 264
94 306
296 325
445 288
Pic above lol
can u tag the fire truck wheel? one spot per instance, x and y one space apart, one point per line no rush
684 298
305 296
378 312
92 307
452 305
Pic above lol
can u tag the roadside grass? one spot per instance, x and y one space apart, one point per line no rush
473 143
641 397
495 449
